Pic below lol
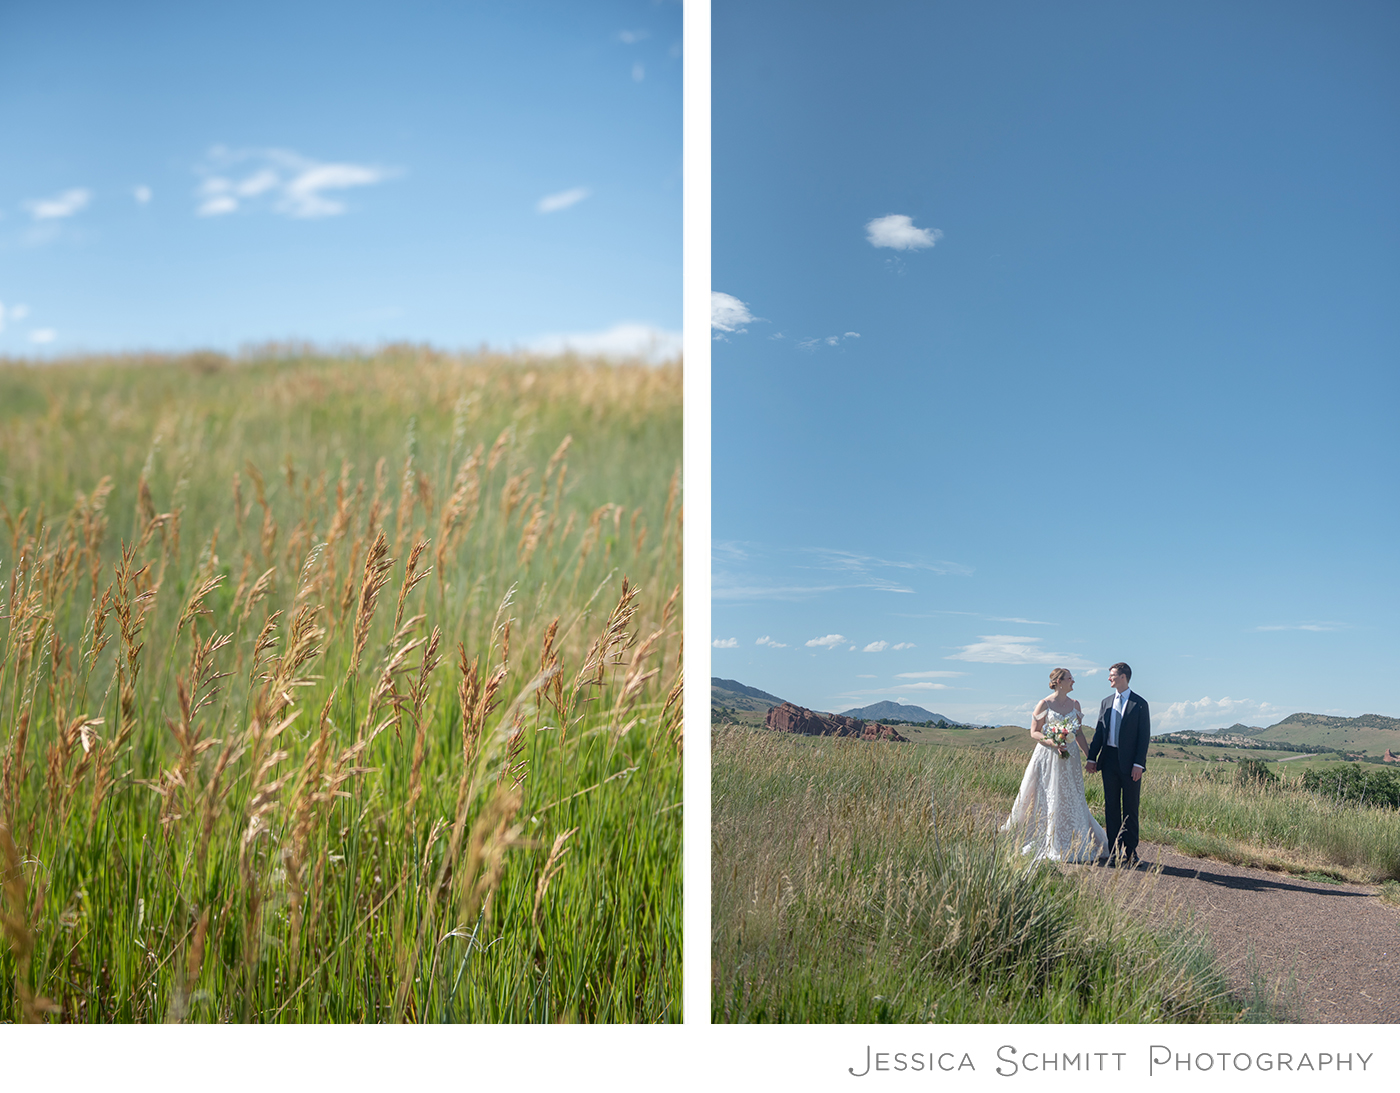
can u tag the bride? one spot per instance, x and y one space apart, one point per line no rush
1050 814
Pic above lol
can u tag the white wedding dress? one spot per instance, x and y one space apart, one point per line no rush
1050 816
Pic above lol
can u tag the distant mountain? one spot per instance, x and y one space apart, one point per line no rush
893 711
1237 729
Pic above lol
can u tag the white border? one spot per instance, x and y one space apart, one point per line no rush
697 514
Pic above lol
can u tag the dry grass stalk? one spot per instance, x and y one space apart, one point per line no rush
609 645
14 920
411 578
552 865
418 697
377 567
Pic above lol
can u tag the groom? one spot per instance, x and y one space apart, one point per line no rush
1121 736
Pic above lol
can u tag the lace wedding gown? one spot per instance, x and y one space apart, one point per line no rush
1051 815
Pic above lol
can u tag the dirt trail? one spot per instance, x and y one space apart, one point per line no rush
1339 943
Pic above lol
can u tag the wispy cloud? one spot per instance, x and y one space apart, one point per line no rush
295 185
929 675
1023 622
60 206
898 232
43 336
639 72
1318 627
142 194
852 571
831 641
553 203
632 37
623 341
905 645
829 339
876 647
848 561
766 640
1005 649
725 643
729 314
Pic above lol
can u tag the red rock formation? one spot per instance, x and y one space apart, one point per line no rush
1389 757
790 718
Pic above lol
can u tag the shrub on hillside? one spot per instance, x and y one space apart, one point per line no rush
1255 772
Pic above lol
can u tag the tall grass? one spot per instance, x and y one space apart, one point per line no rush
1276 824
340 689
864 882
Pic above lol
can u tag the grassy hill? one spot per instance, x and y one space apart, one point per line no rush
733 694
1369 733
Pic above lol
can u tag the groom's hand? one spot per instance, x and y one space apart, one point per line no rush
1090 767
1137 773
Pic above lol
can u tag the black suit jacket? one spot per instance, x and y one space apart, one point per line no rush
1133 733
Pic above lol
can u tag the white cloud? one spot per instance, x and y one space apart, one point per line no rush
43 336
631 37
639 72
553 203
1023 622
925 687
899 233
14 313
60 205
142 194
728 313
725 643
905 645
1004 649
1211 713
867 677
929 675
876 647
623 341
831 641
766 640
1317 627
299 186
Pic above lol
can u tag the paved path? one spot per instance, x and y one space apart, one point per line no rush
1339 944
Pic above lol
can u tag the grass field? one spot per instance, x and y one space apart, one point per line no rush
865 882
340 688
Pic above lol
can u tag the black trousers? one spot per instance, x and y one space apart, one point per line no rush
1120 805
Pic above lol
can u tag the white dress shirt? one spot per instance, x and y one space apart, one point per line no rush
1115 719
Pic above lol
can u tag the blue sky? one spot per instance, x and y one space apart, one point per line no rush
187 175
1058 335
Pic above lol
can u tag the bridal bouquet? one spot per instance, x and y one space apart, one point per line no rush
1059 730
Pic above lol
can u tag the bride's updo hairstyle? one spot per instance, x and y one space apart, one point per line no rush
1056 676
